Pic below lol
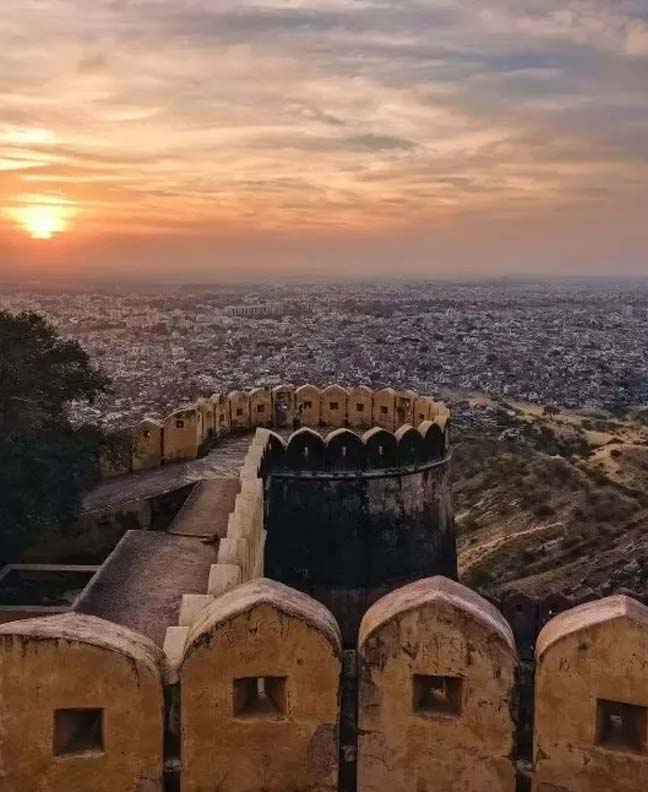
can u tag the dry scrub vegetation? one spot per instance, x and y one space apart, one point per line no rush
541 508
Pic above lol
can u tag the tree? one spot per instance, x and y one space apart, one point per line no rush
46 464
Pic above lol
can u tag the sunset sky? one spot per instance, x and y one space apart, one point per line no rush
196 138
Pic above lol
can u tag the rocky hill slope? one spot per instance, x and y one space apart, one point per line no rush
553 502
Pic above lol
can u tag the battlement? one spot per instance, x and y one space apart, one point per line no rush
259 694
300 628
346 453
183 434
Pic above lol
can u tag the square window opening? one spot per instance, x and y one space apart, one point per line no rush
360 407
179 424
260 697
437 695
239 411
260 408
78 731
384 410
334 405
620 727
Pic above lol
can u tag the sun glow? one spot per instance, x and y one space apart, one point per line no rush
44 218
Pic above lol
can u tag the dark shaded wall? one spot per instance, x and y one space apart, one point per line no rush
348 539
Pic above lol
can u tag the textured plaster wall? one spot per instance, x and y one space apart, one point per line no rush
596 652
345 535
435 629
79 662
261 630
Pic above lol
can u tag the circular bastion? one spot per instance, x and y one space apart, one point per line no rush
356 490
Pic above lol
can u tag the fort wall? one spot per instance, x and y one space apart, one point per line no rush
436 677
347 679
189 430
351 517
430 698
82 707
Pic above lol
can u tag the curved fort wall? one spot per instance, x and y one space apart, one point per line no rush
183 434
349 518
269 699
436 690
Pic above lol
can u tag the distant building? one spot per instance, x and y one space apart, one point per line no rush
255 311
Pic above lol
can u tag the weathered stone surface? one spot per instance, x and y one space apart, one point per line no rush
239 409
345 451
309 405
437 669
142 583
62 668
147 445
592 698
334 406
356 533
223 577
237 740
360 407
384 409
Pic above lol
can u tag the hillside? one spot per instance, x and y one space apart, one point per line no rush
553 503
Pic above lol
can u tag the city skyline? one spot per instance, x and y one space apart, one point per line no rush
323 138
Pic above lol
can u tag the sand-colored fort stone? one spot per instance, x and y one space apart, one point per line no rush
437 672
261 669
299 628
82 707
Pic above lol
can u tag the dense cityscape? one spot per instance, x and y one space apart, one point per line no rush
572 344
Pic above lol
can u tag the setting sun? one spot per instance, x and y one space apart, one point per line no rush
43 217
42 222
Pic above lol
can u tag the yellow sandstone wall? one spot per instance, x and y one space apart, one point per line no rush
259 666
223 414
239 409
309 405
334 406
206 407
182 434
81 703
436 674
422 410
261 407
384 408
360 408
592 699
260 683
147 445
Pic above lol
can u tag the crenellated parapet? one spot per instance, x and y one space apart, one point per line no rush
260 694
377 451
188 431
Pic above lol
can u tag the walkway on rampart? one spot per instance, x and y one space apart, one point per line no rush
206 511
141 584
223 461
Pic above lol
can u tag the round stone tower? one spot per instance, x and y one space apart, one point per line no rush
350 517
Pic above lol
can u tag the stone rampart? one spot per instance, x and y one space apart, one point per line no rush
429 700
349 517
189 430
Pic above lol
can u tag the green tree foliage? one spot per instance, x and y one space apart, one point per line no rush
45 463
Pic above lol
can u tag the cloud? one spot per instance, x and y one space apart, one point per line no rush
302 114
637 38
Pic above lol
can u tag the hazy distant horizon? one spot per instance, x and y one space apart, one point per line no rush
61 283
324 138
